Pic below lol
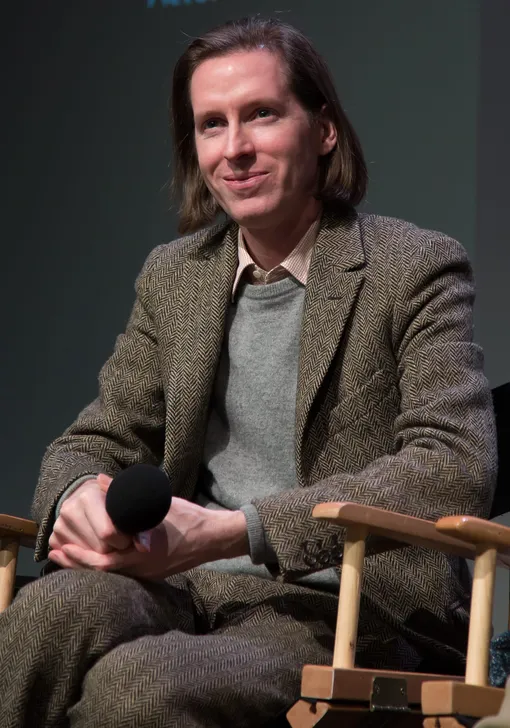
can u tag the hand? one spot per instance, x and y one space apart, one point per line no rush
188 537
84 522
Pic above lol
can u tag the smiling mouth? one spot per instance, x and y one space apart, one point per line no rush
240 183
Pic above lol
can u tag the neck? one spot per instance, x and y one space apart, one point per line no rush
269 247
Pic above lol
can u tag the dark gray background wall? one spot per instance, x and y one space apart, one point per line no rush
87 162
492 249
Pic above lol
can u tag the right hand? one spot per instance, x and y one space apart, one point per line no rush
83 521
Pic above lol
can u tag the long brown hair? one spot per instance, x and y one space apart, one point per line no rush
342 173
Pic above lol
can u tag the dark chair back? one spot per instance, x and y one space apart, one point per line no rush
501 400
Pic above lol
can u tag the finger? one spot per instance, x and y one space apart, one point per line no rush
105 533
114 561
103 525
104 481
54 541
68 529
59 557
92 530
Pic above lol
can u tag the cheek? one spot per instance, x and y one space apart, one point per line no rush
304 151
207 157
293 153
279 146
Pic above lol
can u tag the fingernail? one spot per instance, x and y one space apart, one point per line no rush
103 481
144 539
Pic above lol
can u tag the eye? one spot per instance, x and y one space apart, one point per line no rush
264 113
210 124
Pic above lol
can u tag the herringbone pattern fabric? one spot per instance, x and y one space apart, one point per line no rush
392 410
109 651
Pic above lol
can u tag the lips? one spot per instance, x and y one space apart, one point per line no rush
245 181
243 177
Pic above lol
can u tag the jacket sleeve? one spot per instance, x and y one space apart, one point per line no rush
444 459
122 427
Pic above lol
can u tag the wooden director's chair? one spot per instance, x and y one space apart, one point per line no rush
343 696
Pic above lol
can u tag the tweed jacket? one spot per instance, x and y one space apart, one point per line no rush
393 409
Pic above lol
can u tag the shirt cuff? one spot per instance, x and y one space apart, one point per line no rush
71 488
261 551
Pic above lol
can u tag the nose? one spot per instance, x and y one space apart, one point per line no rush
238 143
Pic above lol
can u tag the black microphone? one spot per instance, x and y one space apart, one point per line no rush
138 499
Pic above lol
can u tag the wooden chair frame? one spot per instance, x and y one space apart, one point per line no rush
343 694
14 532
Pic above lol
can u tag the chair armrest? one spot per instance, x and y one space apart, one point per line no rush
19 529
394 526
476 531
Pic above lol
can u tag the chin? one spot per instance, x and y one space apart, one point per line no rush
253 213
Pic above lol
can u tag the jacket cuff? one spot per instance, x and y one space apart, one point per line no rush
261 551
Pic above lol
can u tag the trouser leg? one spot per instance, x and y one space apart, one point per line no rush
245 672
61 625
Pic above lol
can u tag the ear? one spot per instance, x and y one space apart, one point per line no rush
328 133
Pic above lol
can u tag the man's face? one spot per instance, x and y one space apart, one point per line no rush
257 147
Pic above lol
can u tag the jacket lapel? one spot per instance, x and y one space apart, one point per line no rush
204 295
334 280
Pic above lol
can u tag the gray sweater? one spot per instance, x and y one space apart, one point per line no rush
249 446
250 442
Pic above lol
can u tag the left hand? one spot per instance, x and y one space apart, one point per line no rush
188 536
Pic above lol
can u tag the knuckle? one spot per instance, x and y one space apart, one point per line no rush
58 528
65 508
104 533
70 507
82 497
82 493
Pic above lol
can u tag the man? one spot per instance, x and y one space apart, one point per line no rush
295 354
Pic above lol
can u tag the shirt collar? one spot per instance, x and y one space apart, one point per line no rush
296 264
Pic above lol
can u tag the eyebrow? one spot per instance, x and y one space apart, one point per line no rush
261 102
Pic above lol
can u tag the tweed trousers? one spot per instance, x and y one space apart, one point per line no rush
86 648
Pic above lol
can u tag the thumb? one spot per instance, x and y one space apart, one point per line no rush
103 481
142 542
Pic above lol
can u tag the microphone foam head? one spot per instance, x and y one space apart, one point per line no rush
138 498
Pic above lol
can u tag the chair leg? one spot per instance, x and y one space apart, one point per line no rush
8 557
307 715
304 714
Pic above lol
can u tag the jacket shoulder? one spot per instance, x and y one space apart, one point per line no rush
173 254
392 238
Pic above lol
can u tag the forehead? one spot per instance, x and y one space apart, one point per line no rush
238 76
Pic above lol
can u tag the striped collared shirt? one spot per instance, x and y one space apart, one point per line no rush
296 264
